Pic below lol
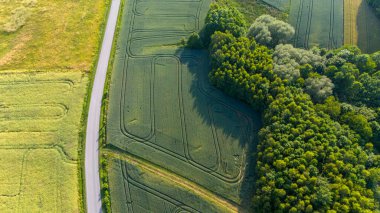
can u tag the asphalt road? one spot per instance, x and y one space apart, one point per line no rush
94 202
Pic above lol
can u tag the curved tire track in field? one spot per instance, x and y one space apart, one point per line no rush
93 196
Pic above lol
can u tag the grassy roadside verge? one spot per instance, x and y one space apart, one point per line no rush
106 201
86 107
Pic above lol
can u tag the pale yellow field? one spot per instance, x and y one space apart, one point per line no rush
40 115
351 10
49 34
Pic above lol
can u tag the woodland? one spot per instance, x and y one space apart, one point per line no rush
318 146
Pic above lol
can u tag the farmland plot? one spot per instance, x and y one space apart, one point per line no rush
45 34
252 9
163 192
317 23
279 4
39 127
163 109
47 49
361 26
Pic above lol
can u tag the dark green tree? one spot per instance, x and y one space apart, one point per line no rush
194 41
223 19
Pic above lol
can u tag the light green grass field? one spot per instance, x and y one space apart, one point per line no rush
163 109
317 23
42 34
40 114
252 9
282 5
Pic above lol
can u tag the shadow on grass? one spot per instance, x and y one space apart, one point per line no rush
237 121
368 28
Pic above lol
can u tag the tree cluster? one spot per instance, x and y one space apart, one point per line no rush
315 152
223 19
241 66
307 162
356 75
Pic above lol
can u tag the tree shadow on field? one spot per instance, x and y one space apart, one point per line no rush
368 28
234 119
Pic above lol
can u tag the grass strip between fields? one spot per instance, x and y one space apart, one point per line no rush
103 112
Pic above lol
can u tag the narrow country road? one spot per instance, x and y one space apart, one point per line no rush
93 197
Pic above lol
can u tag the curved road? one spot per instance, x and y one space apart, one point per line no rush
94 203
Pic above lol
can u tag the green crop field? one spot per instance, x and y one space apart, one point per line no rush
332 23
279 4
163 110
252 9
40 115
317 22
359 26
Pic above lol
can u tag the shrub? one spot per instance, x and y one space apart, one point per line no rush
270 32
319 87
194 41
288 61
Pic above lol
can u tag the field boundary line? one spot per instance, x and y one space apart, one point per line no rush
310 18
298 23
331 30
366 30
